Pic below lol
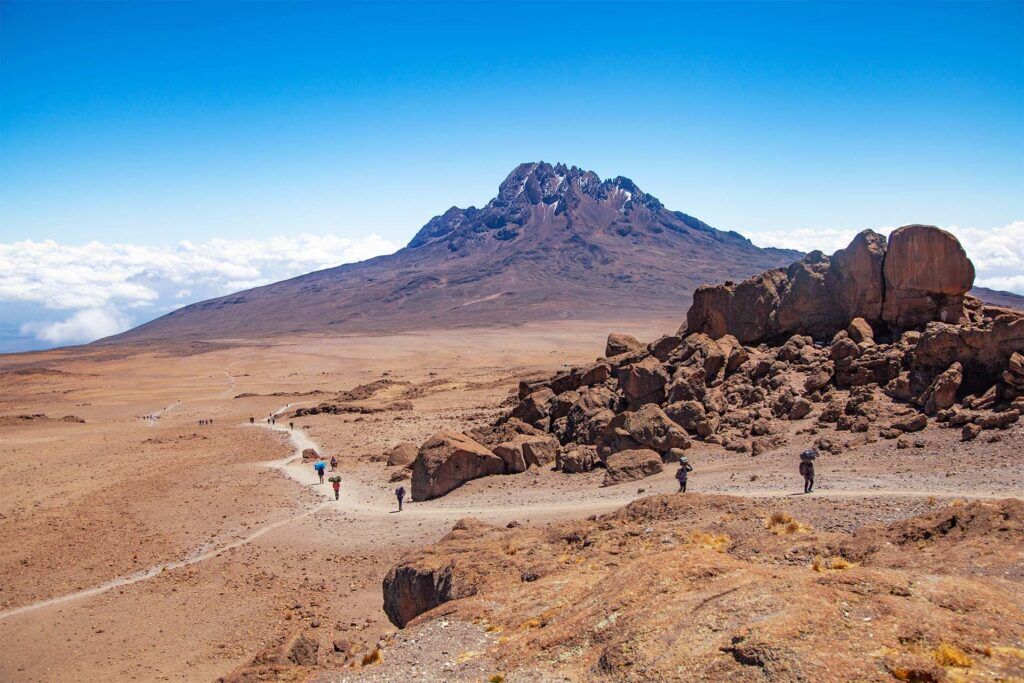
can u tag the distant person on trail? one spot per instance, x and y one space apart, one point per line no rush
252 419
336 483
807 469
320 467
291 425
334 463
683 473
400 494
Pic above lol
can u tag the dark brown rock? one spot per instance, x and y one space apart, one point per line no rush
447 460
927 274
619 344
942 392
402 455
631 465
643 382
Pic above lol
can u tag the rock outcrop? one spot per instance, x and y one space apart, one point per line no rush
922 275
927 274
832 351
446 461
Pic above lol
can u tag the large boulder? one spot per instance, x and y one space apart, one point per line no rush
643 382
693 417
426 579
619 344
576 459
535 406
403 455
447 460
927 274
631 465
687 384
648 427
525 451
941 394
854 278
745 310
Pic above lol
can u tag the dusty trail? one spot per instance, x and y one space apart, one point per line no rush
151 418
362 500
299 439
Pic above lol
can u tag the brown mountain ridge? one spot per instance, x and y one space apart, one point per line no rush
556 242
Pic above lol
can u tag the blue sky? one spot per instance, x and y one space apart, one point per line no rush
150 124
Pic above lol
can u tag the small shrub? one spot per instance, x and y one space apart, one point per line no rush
496 678
373 658
950 655
717 542
782 524
820 564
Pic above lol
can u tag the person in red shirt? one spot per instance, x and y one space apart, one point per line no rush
337 488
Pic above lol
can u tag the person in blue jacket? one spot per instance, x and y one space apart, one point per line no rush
320 466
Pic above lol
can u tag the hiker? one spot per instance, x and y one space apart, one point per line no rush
682 473
807 469
400 494
252 420
336 483
291 425
320 467
334 463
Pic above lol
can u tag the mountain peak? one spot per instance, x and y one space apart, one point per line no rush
538 186
539 182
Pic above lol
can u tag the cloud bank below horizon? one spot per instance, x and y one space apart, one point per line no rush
67 294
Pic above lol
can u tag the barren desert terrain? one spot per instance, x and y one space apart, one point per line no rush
141 545
93 510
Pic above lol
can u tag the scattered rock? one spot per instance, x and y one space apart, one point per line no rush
619 344
402 455
631 465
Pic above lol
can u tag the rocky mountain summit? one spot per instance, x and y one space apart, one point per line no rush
872 342
556 243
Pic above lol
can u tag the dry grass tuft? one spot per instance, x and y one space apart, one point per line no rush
945 654
374 657
717 542
838 564
782 524
496 678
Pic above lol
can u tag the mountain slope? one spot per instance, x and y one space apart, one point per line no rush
555 243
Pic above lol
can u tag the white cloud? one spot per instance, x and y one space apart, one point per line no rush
83 326
997 253
99 282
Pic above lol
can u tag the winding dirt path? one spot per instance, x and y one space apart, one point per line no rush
358 499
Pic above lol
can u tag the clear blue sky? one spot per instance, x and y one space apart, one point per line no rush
156 122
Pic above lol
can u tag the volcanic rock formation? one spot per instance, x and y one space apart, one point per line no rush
920 276
557 242
871 341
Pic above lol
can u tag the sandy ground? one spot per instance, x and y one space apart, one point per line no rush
139 544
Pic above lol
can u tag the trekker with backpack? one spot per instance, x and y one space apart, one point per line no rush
807 469
683 473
